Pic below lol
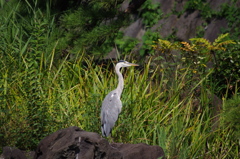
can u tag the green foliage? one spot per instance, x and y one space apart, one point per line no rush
200 30
203 6
199 53
38 116
194 4
125 44
151 13
227 72
202 51
157 109
41 93
92 27
24 49
155 112
148 40
231 13
231 115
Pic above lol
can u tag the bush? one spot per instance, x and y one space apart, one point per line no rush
227 72
203 56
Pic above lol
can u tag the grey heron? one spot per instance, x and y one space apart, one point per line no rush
112 104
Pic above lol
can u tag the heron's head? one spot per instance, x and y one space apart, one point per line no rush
123 63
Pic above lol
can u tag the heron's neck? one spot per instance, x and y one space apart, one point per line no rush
120 80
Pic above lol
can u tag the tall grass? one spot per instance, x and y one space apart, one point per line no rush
155 110
41 94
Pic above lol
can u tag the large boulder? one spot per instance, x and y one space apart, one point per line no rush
74 143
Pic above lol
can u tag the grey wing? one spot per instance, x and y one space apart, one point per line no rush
111 107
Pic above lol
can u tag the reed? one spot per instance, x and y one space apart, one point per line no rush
41 94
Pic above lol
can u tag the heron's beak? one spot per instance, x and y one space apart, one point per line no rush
133 64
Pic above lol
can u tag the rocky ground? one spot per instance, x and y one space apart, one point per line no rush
183 27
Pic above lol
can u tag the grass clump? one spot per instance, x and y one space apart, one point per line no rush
173 113
40 94
231 115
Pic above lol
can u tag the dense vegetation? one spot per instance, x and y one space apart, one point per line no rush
50 79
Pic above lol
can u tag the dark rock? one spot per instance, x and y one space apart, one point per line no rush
168 6
138 151
12 153
15 153
135 30
184 26
213 30
166 26
74 143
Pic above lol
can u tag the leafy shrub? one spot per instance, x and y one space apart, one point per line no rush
147 41
151 13
204 8
200 53
125 44
92 27
230 12
227 72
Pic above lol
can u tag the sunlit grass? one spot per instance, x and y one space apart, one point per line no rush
160 107
155 110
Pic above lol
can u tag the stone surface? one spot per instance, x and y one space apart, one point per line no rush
213 29
138 151
74 143
13 153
